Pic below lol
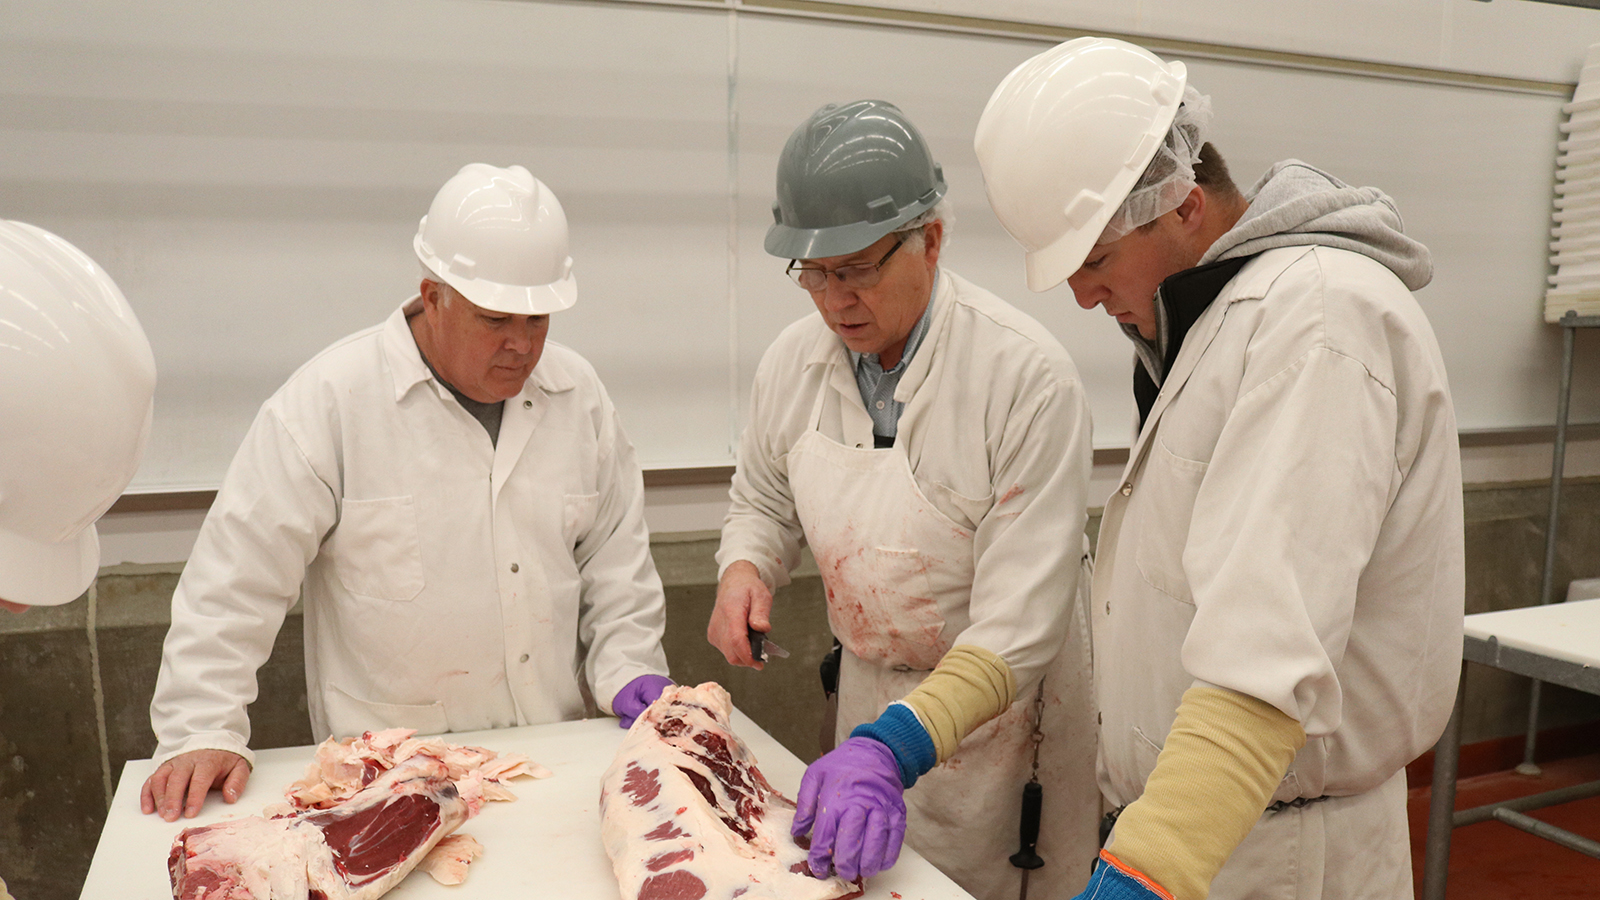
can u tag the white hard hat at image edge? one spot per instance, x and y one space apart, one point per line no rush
79 383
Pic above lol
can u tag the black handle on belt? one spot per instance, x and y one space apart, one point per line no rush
1032 806
829 669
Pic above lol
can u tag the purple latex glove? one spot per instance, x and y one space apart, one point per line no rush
636 695
854 798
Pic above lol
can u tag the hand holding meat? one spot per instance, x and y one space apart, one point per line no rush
743 603
851 800
180 784
636 696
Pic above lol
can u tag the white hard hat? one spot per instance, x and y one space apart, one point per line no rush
499 237
1063 140
76 385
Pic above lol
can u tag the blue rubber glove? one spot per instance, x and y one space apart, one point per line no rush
1114 879
636 695
853 797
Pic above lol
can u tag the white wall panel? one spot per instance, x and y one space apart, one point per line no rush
1506 38
252 174
1518 38
252 177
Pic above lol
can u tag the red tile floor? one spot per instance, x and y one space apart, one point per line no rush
1493 860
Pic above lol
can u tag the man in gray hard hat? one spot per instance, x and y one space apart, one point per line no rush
931 444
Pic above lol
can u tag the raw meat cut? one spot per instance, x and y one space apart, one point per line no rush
448 861
344 767
369 810
356 850
685 814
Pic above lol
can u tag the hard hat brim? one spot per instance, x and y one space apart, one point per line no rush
786 242
516 299
47 574
1049 266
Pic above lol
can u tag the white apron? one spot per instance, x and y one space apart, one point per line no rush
898 575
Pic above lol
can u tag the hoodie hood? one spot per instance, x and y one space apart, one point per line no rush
1295 204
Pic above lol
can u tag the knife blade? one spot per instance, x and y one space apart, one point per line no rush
761 647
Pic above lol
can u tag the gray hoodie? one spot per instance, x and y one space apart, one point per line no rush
1295 204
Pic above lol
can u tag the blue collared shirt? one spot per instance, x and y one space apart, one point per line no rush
877 384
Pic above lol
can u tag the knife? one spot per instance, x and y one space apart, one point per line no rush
761 647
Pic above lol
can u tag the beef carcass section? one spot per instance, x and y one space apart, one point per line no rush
356 850
687 815
369 810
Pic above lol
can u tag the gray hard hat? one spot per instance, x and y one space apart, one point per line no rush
848 176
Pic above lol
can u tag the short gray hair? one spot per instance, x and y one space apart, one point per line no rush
430 275
911 232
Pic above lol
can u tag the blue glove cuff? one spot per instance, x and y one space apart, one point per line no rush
899 729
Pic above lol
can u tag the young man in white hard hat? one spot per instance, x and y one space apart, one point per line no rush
1279 582
456 501
76 385
930 443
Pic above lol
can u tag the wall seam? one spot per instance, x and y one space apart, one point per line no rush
99 692
733 229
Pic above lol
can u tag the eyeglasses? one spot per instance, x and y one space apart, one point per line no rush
857 278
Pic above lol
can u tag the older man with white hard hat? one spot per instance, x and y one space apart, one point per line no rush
930 443
76 385
1279 583
454 497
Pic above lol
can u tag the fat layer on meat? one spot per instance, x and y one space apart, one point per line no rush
687 815
357 850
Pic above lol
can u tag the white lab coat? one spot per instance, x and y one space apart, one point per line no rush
449 584
994 442
1289 526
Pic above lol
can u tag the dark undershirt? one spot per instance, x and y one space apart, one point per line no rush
487 414
1184 296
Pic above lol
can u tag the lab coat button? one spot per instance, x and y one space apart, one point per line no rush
513 568
1127 489
527 404
524 658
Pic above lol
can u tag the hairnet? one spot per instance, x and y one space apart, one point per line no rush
1170 175
911 231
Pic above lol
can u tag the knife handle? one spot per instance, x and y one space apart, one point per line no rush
1032 806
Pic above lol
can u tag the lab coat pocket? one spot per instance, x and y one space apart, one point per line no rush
375 549
1145 754
884 610
349 714
964 512
577 516
1167 489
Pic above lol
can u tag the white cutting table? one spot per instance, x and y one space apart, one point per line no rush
1557 643
545 844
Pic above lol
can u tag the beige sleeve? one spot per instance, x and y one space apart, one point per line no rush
969 687
1223 759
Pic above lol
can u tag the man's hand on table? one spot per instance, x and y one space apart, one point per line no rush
180 784
743 604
